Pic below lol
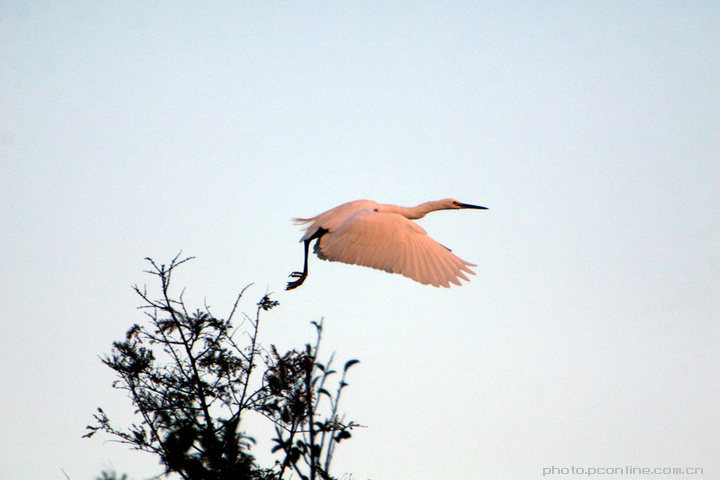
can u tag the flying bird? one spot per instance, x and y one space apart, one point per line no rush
381 236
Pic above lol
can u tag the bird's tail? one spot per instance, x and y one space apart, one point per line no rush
302 221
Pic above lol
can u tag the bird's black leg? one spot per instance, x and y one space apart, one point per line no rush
301 276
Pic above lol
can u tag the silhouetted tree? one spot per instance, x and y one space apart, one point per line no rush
295 386
191 381
111 475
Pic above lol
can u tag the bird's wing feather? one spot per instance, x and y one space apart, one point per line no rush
391 242
334 218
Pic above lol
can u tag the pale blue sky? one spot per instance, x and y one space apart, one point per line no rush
591 130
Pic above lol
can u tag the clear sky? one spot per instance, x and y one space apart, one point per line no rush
589 336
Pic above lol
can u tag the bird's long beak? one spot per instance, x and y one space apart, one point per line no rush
467 205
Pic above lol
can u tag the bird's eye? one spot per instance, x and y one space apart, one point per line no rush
375 209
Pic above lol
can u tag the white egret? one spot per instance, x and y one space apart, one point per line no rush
380 236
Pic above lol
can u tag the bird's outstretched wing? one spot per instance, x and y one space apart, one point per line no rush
391 242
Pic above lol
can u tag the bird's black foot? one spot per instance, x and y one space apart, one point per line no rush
300 279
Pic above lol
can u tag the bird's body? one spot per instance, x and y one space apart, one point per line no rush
381 236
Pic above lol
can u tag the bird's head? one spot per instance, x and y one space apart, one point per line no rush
452 204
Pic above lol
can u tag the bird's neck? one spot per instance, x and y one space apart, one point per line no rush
415 212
